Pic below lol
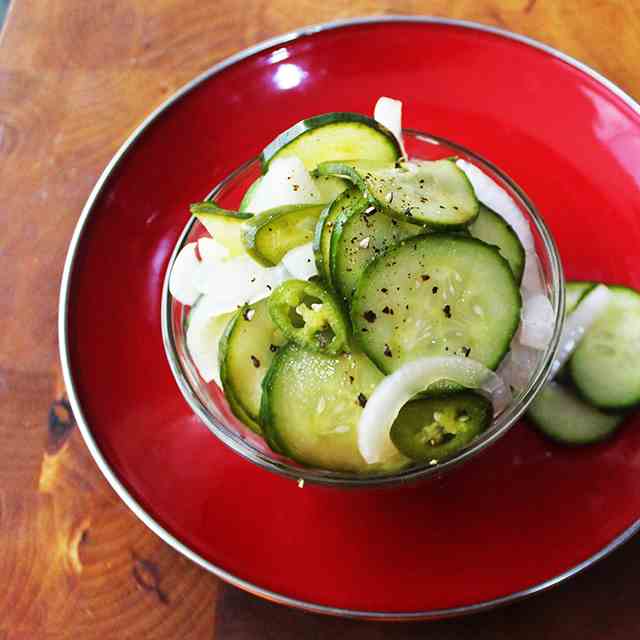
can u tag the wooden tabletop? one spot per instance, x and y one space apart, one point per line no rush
75 79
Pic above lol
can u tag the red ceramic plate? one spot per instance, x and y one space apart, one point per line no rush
525 514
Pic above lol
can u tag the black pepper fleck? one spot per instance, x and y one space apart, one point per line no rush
434 290
387 351
273 348
362 400
388 311
256 362
447 310
369 316
425 277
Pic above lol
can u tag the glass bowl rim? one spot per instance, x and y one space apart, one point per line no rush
499 427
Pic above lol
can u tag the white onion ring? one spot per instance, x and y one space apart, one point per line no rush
397 389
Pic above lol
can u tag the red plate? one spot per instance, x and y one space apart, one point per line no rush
522 516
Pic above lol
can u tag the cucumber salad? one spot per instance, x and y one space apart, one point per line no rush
365 311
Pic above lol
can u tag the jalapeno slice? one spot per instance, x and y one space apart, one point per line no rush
309 316
436 428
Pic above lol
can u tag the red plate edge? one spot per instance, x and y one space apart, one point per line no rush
65 356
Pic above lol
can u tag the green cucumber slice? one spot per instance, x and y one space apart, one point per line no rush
358 236
247 349
268 236
350 200
434 193
436 294
574 292
436 428
565 418
309 316
312 404
333 136
494 229
223 225
605 367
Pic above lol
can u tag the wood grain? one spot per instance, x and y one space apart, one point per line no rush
75 78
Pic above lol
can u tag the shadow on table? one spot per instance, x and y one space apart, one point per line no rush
600 603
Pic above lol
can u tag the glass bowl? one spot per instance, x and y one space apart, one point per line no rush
208 401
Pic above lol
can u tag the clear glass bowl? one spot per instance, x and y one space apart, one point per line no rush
208 402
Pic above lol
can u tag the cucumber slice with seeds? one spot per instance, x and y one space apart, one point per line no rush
312 404
444 294
247 349
358 236
268 236
494 229
605 367
333 136
436 193
562 416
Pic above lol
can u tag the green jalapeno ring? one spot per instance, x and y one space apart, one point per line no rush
309 316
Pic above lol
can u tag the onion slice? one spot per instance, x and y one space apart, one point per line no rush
183 273
578 322
388 112
382 408
536 327
300 262
203 339
496 198
232 283
287 181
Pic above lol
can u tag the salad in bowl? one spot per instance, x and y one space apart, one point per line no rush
365 312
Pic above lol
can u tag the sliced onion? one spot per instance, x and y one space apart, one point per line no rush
517 366
211 249
397 389
388 112
578 322
183 275
536 327
286 182
496 198
203 337
232 283
300 262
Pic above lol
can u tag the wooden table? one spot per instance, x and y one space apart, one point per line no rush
75 79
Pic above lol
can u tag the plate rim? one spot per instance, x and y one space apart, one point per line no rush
63 336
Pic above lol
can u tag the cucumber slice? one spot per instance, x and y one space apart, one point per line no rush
333 136
436 294
605 367
311 405
437 428
574 292
350 200
223 225
247 349
565 418
358 236
494 229
270 235
436 194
